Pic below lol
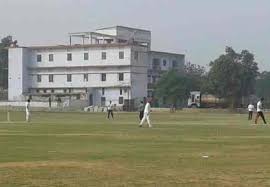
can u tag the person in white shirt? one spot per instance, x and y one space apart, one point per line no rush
27 110
146 115
250 111
260 111
110 110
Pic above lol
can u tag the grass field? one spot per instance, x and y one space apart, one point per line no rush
79 149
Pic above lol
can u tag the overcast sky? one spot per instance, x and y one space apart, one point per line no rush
199 28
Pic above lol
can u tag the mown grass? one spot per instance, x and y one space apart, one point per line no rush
79 149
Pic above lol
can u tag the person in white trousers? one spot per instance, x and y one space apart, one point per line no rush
146 115
27 110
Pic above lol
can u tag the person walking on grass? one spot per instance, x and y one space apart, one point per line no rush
141 110
146 115
110 110
27 111
260 111
250 111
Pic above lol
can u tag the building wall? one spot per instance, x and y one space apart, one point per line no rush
110 94
134 71
167 61
17 73
94 78
60 57
139 73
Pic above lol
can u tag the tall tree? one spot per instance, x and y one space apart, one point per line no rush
5 43
197 74
174 87
263 87
233 75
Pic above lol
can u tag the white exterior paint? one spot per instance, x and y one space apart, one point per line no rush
136 66
18 82
25 68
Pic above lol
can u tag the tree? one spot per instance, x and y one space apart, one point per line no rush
174 87
233 75
5 42
263 87
197 74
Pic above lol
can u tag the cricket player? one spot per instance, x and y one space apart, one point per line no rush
260 111
250 111
141 110
27 110
146 115
110 110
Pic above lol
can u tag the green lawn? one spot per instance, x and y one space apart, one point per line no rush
79 149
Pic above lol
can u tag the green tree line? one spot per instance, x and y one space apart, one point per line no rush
234 76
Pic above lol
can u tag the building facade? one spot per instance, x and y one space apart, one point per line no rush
111 64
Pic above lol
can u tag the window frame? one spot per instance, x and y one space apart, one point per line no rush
51 78
85 56
103 75
69 77
39 78
136 55
69 56
85 77
39 58
122 75
121 55
51 57
121 98
103 55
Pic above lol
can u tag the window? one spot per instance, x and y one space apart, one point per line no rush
50 78
38 78
65 90
121 100
39 58
136 55
154 79
121 91
156 64
85 77
164 63
103 101
86 56
121 55
69 57
69 90
37 90
69 78
52 90
44 91
50 57
103 91
174 63
103 55
149 78
103 77
121 76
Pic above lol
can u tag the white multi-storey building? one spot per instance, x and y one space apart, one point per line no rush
111 64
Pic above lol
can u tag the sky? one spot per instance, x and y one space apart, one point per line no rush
201 29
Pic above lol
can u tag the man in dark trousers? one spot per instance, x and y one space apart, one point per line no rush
110 110
260 111
141 110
